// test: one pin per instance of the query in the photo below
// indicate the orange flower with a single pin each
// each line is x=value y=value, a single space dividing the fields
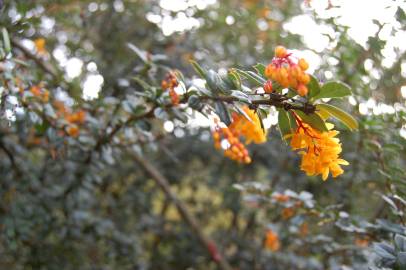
x=251 y=130
x=170 y=82
x=272 y=241
x=40 y=46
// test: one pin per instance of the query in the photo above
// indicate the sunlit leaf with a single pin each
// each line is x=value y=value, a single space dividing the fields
x=333 y=90
x=339 y=114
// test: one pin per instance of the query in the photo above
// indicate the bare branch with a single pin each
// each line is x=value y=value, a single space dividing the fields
x=163 y=184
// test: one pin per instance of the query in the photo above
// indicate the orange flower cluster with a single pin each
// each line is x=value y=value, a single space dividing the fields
x=251 y=130
x=170 y=82
x=287 y=72
x=75 y=119
x=272 y=241
x=40 y=93
x=320 y=150
x=236 y=150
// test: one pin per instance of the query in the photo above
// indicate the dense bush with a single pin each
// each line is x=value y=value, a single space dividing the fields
x=197 y=134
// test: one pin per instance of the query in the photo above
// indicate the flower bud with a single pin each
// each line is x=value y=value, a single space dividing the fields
x=268 y=87
x=281 y=52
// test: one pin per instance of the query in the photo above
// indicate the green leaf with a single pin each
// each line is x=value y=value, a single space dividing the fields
x=339 y=114
x=215 y=83
x=261 y=117
x=252 y=77
x=140 y=53
x=235 y=78
x=313 y=86
x=195 y=103
x=333 y=90
x=260 y=68
x=313 y=119
x=259 y=78
x=6 y=40
x=285 y=123
x=227 y=81
x=142 y=83
x=241 y=96
x=199 y=70
x=222 y=112
x=203 y=91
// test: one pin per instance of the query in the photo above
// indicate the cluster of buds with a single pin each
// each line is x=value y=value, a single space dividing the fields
x=287 y=72
x=40 y=93
x=169 y=83
x=235 y=150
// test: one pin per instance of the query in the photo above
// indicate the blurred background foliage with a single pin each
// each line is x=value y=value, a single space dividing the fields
x=82 y=202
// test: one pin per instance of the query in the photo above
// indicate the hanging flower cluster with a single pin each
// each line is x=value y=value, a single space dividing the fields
x=319 y=150
x=235 y=149
x=251 y=129
x=169 y=83
x=241 y=127
x=287 y=72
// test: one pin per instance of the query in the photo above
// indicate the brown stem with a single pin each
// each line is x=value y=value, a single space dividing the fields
x=275 y=100
x=163 y=184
